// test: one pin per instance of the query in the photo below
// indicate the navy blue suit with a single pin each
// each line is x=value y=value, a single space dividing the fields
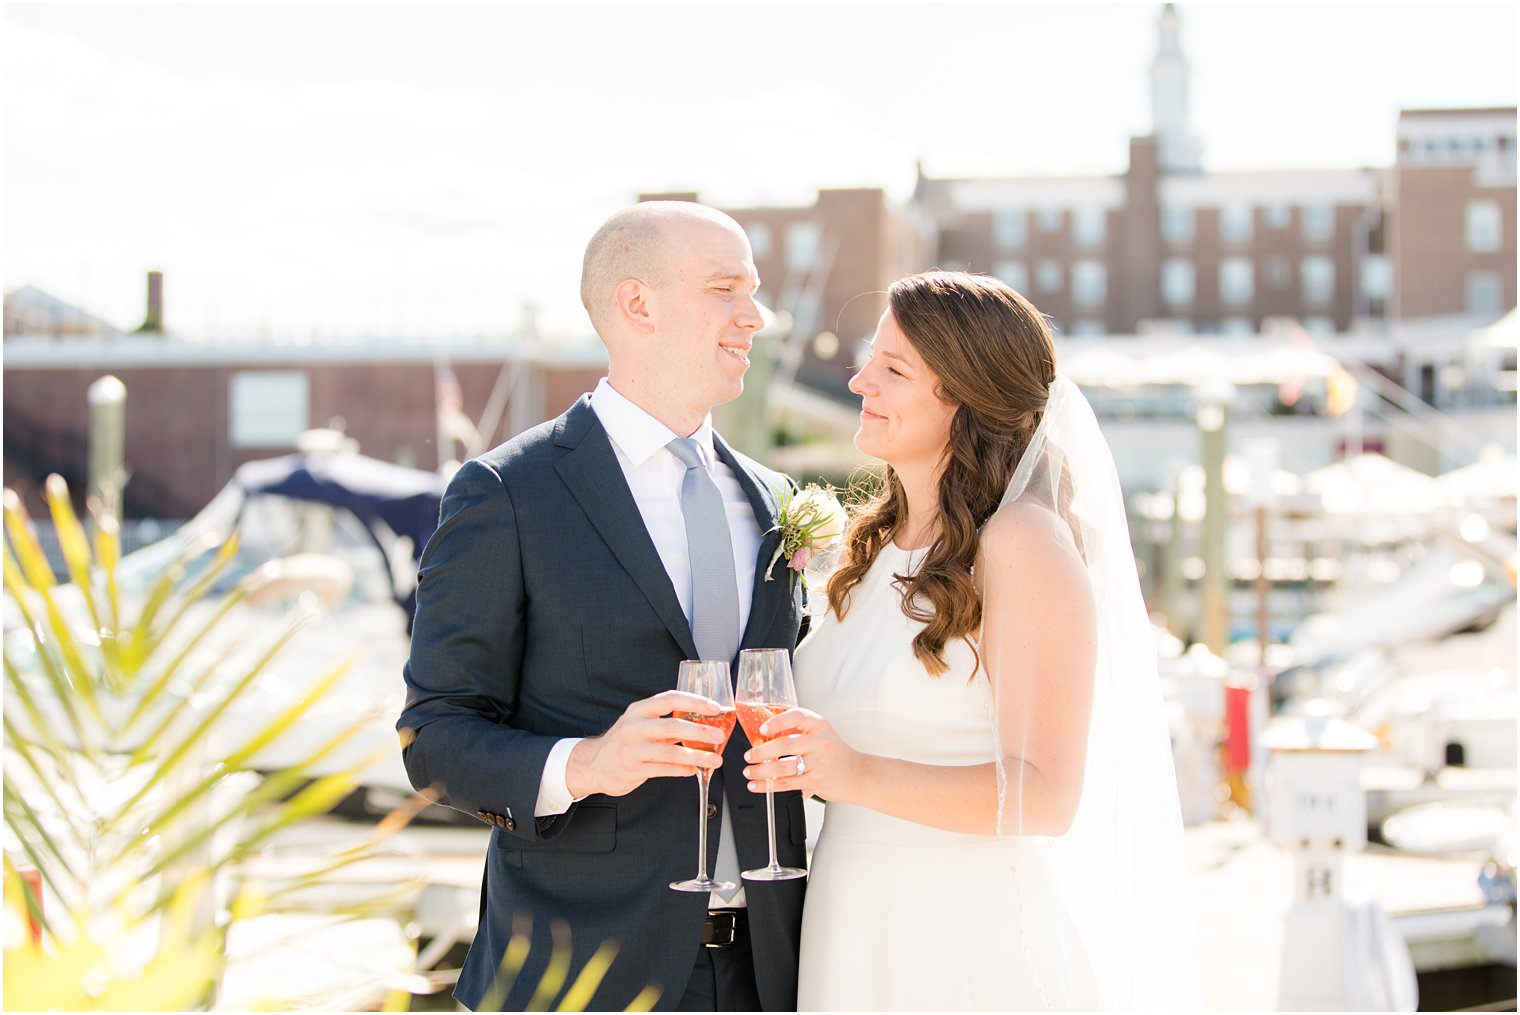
x=543 y=610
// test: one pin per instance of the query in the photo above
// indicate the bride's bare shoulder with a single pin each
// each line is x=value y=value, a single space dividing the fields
x=1026 y=539
x=1025 y=530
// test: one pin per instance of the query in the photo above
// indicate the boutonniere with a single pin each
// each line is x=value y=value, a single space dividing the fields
x=810 y=519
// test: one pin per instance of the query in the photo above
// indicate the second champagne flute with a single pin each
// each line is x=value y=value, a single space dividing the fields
x=765 y=690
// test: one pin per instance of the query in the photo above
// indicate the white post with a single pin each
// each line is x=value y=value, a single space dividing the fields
x=1318 y=812
x=1214 y=399
x=106 y=474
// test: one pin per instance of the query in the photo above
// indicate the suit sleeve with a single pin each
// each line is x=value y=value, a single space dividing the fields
x=464 y=675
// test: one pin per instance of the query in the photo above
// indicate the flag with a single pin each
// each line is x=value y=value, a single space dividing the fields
x=453 y=423
x=1340 y=386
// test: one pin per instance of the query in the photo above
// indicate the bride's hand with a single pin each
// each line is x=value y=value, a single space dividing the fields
x=829 y=767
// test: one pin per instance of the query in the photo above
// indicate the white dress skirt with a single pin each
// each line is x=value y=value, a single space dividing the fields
x=902 y=916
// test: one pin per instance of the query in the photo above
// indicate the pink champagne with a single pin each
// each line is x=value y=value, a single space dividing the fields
x=723 y=721
x=754 y=715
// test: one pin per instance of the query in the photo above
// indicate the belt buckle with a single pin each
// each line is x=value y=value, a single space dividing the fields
x=721 y=929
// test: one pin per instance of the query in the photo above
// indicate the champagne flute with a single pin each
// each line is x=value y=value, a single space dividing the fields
x=710 y=679
x=765 y=690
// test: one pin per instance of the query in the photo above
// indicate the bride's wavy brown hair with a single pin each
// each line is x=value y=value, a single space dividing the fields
x=993 y=356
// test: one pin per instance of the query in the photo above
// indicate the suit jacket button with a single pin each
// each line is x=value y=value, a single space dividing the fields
x=510 y=824
x=712 y=810
x=483 y=816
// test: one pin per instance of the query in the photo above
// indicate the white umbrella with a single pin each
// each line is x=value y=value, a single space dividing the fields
x=1370 y=484
x=1491 y=477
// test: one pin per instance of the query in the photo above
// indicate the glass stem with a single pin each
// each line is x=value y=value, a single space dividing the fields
x=770 y=819
x=704 y=776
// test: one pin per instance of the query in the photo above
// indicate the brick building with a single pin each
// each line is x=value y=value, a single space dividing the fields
x=195 y=412
x=1452 y=235
x=1166 y=246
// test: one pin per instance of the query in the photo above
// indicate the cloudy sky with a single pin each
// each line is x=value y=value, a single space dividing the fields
x=345 y=171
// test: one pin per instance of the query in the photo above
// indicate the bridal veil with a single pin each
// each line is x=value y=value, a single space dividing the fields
x=1120 y=871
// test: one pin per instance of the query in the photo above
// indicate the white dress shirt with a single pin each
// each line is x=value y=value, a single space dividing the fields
x=654 y=477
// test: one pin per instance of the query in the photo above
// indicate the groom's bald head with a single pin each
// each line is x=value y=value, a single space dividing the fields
x=637 y=242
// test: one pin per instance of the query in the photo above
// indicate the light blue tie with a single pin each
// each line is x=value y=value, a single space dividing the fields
x=714 y=598
x=714 y=584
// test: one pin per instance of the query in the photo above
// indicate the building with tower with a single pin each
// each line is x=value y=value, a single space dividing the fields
x=1166 y=246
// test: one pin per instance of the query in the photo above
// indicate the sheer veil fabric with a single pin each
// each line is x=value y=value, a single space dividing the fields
x=1120 y=872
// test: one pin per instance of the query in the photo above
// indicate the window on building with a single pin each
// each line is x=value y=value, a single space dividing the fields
x=1086 y=327
x=1237 y=326
x=1089 y=226
x=1235 y=223
x=1485 y=295
x=1318 y=222
x=1089 y=283
x=759 y=239
x=1279 y=215
x=1015 y=273
x=1318 y=324
x=1278 y=273
x=1051 y=220
x=1484 y=229
x=1377 y=277
x=1317 y=280
x=1049 y=276
x=803 y=242
x=1177 y=226
x=1237 y=281
x=1177 y=281
x=1010 y=230
x=268 y=408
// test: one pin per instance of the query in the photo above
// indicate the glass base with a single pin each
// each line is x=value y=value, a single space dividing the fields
x=774 y=874
x=703 y=885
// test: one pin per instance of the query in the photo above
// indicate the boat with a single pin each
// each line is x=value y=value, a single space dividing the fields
x=334 y=537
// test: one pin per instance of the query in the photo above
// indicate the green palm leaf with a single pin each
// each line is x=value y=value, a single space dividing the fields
x=98 y=671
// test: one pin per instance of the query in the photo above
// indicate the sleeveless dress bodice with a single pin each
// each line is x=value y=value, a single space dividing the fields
x=900 y=915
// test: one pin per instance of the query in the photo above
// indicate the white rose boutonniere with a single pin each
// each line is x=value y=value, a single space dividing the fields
x=810 y=519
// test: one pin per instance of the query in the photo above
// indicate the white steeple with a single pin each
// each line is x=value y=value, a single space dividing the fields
x=1177 y=148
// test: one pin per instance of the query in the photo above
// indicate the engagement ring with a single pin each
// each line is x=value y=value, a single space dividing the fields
x=801 y=765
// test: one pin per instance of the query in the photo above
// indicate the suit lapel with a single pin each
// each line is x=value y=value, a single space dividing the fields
x=591 y=472
x=765 y=595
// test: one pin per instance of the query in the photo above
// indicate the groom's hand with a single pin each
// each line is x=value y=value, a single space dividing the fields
x=643 y=744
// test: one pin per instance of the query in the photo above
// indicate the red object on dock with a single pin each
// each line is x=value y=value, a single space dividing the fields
x=32 y=878
x=1237 y=725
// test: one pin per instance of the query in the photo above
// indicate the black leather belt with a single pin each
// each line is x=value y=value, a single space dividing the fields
x=725 y=927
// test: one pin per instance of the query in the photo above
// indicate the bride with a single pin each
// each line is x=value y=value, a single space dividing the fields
x=980 y=705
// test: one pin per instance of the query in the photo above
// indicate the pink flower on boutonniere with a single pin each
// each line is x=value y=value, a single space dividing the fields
x=810 y=519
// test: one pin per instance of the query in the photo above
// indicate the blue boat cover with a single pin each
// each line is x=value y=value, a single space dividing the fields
x=381 y=495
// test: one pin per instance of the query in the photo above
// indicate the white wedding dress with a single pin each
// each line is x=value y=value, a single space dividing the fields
x=902 y=916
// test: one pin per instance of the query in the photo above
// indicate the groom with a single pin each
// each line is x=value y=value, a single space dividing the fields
x=573 y=568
